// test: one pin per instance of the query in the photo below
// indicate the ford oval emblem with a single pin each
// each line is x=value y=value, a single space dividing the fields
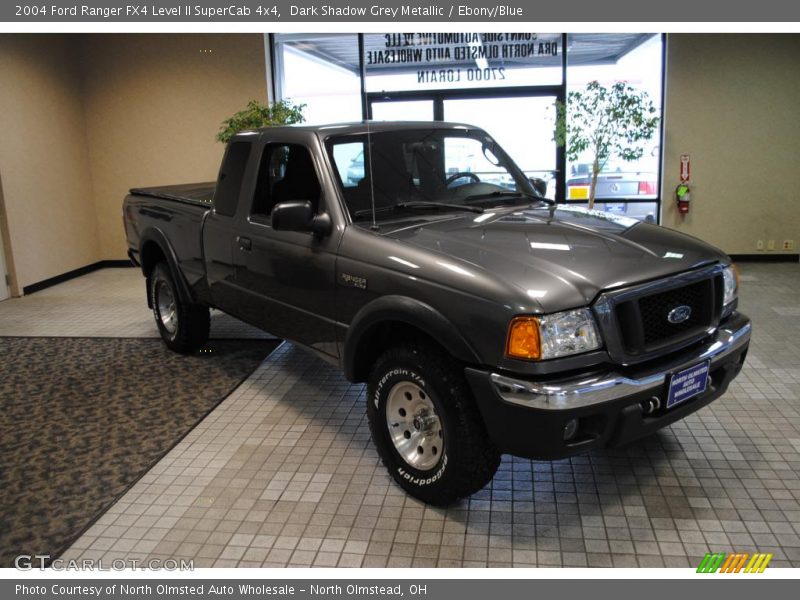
x=679 y=314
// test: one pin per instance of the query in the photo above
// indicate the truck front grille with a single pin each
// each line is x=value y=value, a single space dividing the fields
x=643 y=320
x=655 y=309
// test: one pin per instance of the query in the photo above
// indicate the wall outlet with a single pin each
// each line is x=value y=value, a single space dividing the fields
x=760 y=245
x=788 y=244
x=771 y=245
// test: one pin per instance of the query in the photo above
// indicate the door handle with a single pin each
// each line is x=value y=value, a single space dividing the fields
x=244 y=243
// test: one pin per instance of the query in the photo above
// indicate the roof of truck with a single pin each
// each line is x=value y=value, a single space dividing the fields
x=360 y=127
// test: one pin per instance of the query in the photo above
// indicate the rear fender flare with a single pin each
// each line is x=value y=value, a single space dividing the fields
x=154 y=235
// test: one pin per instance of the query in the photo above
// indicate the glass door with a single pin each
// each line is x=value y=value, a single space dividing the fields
x=402 y=110
x=522 y=125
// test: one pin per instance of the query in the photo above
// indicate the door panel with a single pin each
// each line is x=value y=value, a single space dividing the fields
x=285 y=279
x=220 y=225
x=288 y=283
x=218 y=231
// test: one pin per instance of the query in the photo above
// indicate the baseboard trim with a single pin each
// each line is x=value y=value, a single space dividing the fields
x=766 y=258
x=46 y=283
x=123 y=263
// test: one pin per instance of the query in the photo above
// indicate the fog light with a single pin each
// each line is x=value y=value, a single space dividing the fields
x=650 y=406
x=570 y=429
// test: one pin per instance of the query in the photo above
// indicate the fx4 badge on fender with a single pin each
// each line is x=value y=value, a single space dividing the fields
x=354 y=281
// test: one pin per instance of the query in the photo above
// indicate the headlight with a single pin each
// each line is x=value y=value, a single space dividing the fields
x=551 y=336
x=731 y=277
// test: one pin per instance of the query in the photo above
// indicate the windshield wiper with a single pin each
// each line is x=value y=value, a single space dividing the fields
x=413 y=205
x=496 y=195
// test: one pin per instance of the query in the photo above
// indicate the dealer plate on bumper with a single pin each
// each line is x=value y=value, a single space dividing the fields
x=688 y=383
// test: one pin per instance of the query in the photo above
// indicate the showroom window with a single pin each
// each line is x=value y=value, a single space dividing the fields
x=449 y=61
x=483 y=79
x=321 y=71
x=505 y=83
x=628 y=188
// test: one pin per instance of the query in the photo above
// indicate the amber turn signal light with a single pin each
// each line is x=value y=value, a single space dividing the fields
x=523 y=338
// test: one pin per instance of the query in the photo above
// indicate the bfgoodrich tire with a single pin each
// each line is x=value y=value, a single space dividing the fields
x=426 y=427
x=183 y=326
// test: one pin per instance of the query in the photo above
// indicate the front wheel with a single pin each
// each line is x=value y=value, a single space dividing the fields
x=184 y=327
x=426 y=426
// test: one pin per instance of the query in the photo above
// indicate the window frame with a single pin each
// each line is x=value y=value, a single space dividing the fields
x=266 y=219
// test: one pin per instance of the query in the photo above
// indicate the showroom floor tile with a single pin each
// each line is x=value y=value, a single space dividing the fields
x=106 y=303
x=283 y=473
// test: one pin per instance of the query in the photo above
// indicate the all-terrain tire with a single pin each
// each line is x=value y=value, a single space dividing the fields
x=184 y=327
x=444 y=467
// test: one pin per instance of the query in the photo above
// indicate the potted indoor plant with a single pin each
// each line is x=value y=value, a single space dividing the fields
x=257 y=114
x=605 y=122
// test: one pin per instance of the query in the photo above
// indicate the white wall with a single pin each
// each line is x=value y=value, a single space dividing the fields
x=154 y=104
x=47 y=192
x=86 y=117
x=733 y=105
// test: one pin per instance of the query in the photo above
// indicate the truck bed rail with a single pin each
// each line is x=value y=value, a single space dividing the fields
x=199 y=194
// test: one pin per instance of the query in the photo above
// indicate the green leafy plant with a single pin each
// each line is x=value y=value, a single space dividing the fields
x=605 y=121
x=257 y=114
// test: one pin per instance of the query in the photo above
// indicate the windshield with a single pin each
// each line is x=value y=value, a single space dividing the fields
x=449 y=169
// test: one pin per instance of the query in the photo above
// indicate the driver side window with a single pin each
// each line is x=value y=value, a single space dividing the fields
x=286 y=172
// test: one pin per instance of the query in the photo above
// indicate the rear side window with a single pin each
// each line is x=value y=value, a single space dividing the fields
x=230 y=179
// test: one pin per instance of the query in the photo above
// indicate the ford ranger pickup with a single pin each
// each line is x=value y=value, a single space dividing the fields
x=418 y=258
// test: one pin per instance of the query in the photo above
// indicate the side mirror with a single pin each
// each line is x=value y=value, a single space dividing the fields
x=298 y=215
x=539 y=184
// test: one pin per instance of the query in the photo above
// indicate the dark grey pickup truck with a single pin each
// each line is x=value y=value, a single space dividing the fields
x=418 y=258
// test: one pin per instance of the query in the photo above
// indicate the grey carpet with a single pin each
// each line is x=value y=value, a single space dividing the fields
x=81 y=419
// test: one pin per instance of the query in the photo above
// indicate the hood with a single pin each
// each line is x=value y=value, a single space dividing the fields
x=560 y=257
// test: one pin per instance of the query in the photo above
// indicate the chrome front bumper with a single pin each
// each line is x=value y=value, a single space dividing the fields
x=587 y=391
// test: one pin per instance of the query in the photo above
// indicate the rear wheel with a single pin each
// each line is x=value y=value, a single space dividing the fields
x=184 y=327
x=426 y=426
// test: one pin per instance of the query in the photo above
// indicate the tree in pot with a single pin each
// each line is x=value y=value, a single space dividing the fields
x=257 y=114
x=605 y=121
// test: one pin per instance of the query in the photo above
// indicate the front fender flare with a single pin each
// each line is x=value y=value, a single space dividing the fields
x=411 y=312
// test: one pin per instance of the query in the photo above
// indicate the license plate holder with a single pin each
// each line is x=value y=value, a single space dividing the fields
x=688 y=383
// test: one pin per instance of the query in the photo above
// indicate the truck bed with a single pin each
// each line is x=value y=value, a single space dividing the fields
x=199 y=194
x=176 y=211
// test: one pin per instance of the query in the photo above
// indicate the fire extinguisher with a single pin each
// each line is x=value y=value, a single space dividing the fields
x=684 y=196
